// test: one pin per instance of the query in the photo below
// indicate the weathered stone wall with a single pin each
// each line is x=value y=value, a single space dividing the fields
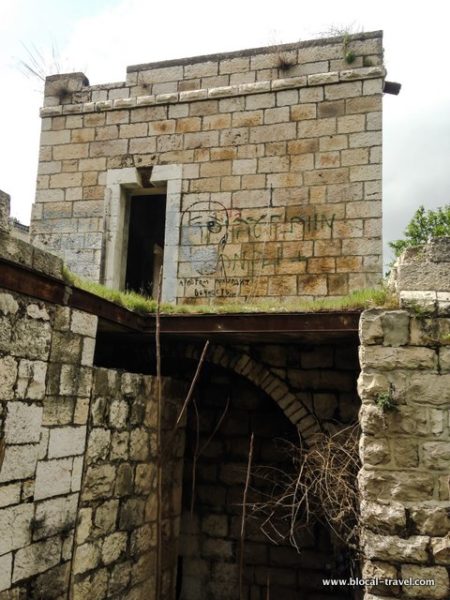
x=116 y=539
x=278 y=187
x=405 y=449
x=77 y=456
x=46 y=355
x=73 y=450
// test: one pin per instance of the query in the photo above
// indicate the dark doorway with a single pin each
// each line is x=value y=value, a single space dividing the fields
x=145 y=243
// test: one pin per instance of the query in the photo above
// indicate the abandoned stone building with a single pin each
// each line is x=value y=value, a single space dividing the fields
x=136 y=450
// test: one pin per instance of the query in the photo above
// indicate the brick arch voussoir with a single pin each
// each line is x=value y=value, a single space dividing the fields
x=244 y=365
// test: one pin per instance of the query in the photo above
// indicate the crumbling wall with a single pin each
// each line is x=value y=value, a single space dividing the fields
x=78 y=448
x=46 y=354
x=116 y=539
x=405 y=449
x=277 y=153
x=79 y=454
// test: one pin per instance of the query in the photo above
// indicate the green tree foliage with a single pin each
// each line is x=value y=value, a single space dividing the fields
x=424 y=225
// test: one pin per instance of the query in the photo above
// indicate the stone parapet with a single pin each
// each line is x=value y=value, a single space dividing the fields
x=244 y=89
x=421 y=276
x=405 y=451
x=255 y=65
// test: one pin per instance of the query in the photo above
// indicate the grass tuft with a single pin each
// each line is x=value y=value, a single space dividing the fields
x=357 y=300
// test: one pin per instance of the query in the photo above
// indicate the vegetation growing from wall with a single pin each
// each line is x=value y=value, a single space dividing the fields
x=357 y=300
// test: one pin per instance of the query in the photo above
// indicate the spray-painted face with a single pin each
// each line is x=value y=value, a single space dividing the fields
x=204 y=234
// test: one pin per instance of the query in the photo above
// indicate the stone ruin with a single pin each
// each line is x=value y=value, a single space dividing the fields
x=85 y=440
x=252 y=174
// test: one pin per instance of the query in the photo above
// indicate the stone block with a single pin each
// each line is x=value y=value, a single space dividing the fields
x=52 y=584
x=401 y=486
x=87 y=557
x=438 y=590
x=84 y=324
x=98 y=444
x=93 y=586
x=114 y=546
x=139 y=444
x=119 y=445
x=430 y=520
x=66 y=441
x=440 y=548
x=84 y=525
x=395 y=326
x=386 y=359
x=8 y=304
x=55 y=516
x=392 y=548
x=5 y=571
x=118 y=413
x=87 y=352
x=19 y=462
x=15 y=525
x=105 y=519
x=23 y=422
x=9 y=494
x=81 y=412
x=120 y=577
x=36 y=558
x=8 y=374
x=53 y=478
x=99 y=482
x=444 y=359
x=31 y=339
x=34 y=311
x=124 y=482
x=132 y=513
x=387 y=518
x=66 y=347
x=406 y=453
x=370 y=385
x=428 y=388
x=436 y=455
x=374 y=451
x=145 y=476
x=380 y=571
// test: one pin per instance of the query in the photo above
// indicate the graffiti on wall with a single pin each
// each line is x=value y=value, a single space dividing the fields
x=222 y=250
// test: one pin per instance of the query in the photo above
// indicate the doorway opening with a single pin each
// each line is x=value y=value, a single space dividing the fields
x=147 y=220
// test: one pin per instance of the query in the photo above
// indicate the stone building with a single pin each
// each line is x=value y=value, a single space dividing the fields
x=252 y=175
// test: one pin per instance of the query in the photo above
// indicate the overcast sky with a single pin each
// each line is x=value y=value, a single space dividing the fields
x=102 y=37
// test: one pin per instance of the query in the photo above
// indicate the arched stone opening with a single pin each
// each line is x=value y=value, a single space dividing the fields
x=305 y=386
x=226 y=410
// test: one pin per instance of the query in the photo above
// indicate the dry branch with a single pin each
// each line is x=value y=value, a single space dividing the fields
x=321 y=486
x=244 y=515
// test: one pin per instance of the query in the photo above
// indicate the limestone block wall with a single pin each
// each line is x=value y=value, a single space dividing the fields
x=116 y=538
x=405 y=450
x=46 y=355
x=278 y=187
x=78 y=451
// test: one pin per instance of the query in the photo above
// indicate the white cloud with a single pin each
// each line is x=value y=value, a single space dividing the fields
x=416 y=125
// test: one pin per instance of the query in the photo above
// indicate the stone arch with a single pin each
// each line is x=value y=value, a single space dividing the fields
x=244 y=365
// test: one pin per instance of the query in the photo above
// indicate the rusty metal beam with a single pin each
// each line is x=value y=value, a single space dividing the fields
x=24 y=280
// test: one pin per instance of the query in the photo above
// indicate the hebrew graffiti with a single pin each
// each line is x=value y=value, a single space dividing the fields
x=223 y=250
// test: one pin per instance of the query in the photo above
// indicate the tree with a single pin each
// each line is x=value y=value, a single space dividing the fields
x=424 y=225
